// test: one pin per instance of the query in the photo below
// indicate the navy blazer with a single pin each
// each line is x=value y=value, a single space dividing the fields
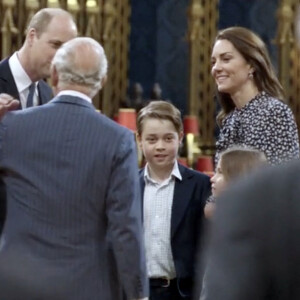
x=8 y=86
x=187 y=216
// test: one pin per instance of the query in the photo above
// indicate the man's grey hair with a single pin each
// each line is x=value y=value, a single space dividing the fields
x=81 y=61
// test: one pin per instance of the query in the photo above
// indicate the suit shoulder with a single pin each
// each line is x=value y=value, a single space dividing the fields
x=193 y=173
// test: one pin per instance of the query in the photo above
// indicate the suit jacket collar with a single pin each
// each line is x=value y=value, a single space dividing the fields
x=72 y=100
x=182 y=196
x=11 y=87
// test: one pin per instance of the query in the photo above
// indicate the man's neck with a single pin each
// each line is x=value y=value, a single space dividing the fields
x=23 y=57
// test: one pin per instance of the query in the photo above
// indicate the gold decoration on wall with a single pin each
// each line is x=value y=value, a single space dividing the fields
x=74 y=8
x=115 y=38
x=8 y=28
x=93 y=12
x=31 y=7
x=53 y=3
x=203 y=17
x=288 y=54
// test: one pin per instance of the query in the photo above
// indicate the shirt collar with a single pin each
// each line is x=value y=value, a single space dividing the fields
x=21 y=78
x=75 y=94
x=175 y=173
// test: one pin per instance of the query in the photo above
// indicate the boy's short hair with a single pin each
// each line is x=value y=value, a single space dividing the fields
x=162 y=110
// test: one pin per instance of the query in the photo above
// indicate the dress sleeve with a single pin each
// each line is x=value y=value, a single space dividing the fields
x=280 y=137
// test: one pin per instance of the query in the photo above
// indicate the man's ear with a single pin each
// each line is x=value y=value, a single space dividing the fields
x=181 y=135
x=30 y=36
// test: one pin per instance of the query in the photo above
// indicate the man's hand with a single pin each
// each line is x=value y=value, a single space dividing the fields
x=7 y=103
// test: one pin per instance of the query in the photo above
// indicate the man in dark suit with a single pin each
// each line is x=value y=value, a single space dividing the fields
x=72 y=184
x=27 y=68
x=48 y=29
x=255 y=247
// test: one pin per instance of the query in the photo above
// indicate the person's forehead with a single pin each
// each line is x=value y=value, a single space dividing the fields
x=60 y=29
x=224 y=45
x=60 y=24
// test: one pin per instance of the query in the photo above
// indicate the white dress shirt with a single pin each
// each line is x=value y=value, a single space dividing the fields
x=158 y=200
x=22 y=81
x=75 y=94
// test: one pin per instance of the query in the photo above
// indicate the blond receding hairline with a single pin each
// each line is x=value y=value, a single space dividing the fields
x=43 y=17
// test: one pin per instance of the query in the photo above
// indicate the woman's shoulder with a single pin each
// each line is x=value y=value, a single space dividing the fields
x=267 y=106
x=268 y=102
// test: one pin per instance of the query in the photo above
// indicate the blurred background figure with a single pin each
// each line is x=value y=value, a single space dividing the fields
x=252 y=112
x=233 y=163
x=255 y=246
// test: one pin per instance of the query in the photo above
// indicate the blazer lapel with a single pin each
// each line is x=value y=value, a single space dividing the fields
x=182 y=196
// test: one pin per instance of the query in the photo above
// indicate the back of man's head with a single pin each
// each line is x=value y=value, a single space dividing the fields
x=80 y=63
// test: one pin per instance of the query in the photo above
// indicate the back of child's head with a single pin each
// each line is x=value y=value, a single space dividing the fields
x=161 y=110
x=237 y=161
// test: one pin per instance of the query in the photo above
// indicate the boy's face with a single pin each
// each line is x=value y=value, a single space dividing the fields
x=159 y=142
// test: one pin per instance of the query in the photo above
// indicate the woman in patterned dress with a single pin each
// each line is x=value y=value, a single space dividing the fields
x=252 y=109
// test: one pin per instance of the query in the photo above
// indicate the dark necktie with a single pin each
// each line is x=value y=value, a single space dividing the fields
x=30 y=95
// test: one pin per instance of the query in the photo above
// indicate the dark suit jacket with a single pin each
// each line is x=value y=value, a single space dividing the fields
x=190 y=196
x=23 y=277
x=255 y=247
x=74 y=198
x=8 y=86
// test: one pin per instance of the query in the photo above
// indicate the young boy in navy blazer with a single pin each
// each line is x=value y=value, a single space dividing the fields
x=173 y=202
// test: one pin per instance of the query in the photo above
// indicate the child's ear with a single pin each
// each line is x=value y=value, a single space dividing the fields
x=181 y=134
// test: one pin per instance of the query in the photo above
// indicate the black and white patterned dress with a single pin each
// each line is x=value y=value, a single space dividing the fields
x=264 y=123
